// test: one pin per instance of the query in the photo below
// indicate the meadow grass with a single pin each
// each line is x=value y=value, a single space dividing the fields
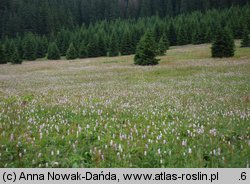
x=189 y=111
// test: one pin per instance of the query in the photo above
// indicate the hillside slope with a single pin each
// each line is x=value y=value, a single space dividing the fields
x=189 y=111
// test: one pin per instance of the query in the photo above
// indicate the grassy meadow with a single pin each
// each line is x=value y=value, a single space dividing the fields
x=189 y=111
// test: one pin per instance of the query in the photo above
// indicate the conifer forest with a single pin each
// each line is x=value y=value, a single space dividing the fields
x=125 y=83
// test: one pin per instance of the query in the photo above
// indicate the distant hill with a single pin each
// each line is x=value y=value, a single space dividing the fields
x=47 y=16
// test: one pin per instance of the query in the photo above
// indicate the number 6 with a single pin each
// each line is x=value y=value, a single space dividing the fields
x=243 y=176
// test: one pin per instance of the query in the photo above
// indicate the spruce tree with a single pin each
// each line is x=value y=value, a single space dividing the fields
x=83 y=50
x=126 y=43
x=161 y=48
x=145 y=9
x=169 y=7
x=91 y=48
x=19 y=45
x=11 y=53
x=246 y=39
x=9 y=48
x=223 y=45
x=42 y=46
x=146 y=50
x=113 y=46
x=163 y=45
x=76 y=41
x=172 y=35
x=63 y=41
x=166 y=41
x=29 y=47
x=101 y=44
x=71 y=52
x=184 y=6
x=2 y=55
x=15 y=58
x=200 y=37
x=196 y=36
x=182 y=37
x=53 y=52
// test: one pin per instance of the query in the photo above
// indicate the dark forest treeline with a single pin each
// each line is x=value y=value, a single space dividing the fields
x=47 y=16
x=122 y=35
